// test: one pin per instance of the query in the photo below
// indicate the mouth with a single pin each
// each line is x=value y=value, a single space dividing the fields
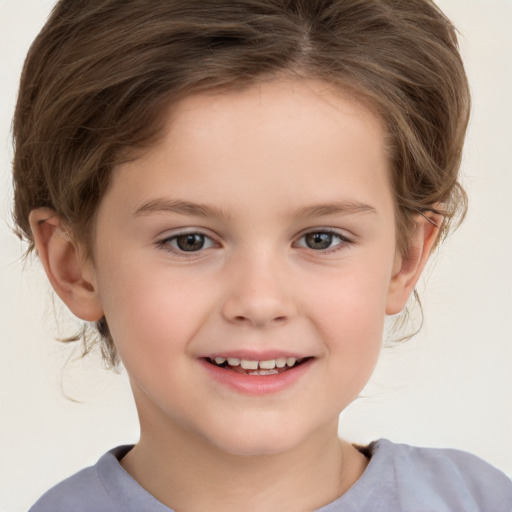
x=253 y=374
x=255 y=367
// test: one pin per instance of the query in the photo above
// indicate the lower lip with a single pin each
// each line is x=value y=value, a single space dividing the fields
x=257 y=384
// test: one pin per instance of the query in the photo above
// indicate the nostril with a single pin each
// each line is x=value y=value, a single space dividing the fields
x=241 y=319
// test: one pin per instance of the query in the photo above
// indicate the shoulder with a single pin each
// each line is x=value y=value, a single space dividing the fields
x=446 y=479
x=83 y=492
x=80 y=492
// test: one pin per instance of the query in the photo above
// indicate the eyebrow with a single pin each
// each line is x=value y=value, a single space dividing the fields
x=337 y=207
x=182 y=208
x=203 y=210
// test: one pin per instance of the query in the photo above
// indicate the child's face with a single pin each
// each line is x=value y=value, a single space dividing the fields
x=280 y=193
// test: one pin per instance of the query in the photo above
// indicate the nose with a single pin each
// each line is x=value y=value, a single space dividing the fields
x=259 y=293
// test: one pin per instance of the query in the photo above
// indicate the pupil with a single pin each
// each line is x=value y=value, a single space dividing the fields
x=319 y=240
x=192 y=242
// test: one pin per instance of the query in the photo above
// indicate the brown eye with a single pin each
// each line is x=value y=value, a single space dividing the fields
x=190 y=242
x=186 y=243
x=323 y=241
x=319 y=241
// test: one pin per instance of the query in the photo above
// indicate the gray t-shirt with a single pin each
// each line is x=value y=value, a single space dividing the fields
x=399 y=478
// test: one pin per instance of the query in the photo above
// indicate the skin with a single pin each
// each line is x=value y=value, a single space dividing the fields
x=263 y=160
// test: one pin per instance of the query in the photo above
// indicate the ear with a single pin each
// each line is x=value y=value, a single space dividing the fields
x=408 y=268
x=70 y=274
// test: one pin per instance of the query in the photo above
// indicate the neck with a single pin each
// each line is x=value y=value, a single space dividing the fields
x=174 y=464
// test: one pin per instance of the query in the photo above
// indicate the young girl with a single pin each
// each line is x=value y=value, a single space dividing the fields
x=236 y=194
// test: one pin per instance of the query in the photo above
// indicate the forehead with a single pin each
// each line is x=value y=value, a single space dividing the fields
x=275 y=113
x=295 y=140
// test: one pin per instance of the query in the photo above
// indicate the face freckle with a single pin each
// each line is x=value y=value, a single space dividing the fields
x=282 y=195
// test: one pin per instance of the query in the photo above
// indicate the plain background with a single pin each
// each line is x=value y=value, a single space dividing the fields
x=451 y=386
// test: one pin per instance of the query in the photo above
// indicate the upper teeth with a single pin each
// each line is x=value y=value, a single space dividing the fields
x=247 y=364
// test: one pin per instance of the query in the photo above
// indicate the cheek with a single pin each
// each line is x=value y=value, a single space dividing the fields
x=350 y=318
x=353 y=302
x=150 y=312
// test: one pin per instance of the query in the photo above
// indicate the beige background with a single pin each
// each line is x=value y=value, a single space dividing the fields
x=450 y=386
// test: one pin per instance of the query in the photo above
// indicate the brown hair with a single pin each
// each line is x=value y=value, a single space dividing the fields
x=101 y=72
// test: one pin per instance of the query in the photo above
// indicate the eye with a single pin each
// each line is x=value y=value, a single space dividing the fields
x=190 y=242
x=187 y=242
x=322 y=240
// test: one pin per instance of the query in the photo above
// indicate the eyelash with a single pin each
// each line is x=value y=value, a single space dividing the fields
x=343 y=244
x=165 y=243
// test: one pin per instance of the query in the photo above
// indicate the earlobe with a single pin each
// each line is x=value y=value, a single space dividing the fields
x=71 y=276
x=408 y=268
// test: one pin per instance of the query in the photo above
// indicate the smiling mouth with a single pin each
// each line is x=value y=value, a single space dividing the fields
x=248 y=367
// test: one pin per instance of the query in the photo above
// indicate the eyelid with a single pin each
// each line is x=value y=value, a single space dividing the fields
x=163 y=242
x=345 y=240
